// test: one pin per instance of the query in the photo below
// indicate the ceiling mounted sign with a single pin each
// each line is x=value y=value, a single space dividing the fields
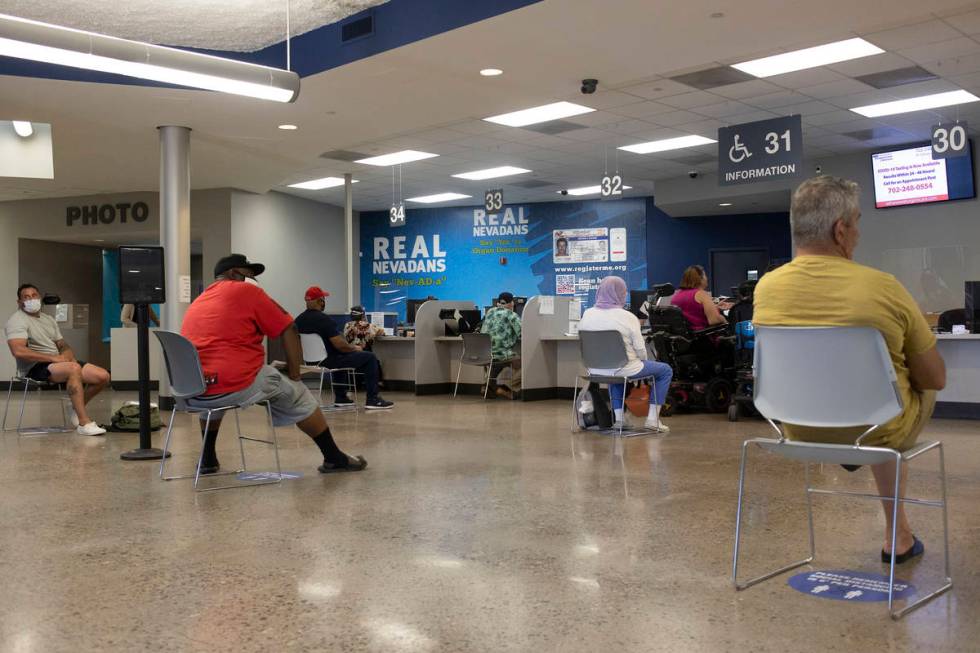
x=949 y=140
x=766 y=150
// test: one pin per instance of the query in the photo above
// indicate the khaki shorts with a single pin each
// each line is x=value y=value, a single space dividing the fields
x=290 y=400
x=884 y=437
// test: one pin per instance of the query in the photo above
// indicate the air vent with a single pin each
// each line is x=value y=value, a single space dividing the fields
x=898 y=77
x=713 y=77
x=554 y=127
x=532 y=183
x=357 y=27
x=344 y=155
x=876 y=134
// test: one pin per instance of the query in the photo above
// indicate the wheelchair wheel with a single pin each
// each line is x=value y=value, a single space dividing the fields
x=718 y=395
x=733 y=412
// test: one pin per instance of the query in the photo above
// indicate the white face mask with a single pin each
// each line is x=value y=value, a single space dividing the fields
x=32 y=305
x=251 y=281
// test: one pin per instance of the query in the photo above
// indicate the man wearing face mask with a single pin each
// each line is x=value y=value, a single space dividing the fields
x=823 y=286
x=43 y=355
x=341 y=353
x=227 y=325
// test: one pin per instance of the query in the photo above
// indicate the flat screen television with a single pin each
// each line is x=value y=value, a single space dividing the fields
x=910 y=175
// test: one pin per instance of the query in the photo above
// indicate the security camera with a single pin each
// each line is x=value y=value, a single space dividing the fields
x=693 y=174
x=563 y=191
x=818 y=170
x=589 y=86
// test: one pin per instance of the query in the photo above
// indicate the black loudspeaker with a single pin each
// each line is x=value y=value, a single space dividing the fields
x=141 y=275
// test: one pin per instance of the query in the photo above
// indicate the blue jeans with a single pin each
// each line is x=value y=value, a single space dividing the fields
x=662 y=375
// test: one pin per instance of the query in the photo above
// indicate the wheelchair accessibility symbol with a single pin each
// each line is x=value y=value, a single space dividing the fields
x=738 y=152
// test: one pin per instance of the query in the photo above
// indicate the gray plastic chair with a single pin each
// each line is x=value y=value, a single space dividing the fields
x=605 y=350
x=187 y=382
x=315 y=353
x=477 y=350
x=832 y=377
x=30 y=383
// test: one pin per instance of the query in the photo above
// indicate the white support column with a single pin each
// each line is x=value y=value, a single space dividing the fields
x=175 y=231
x=349 y=234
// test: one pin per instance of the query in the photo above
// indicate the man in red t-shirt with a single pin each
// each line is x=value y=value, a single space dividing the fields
x=227 y=325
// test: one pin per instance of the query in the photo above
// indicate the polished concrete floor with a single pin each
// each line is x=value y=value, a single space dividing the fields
x=477 y=527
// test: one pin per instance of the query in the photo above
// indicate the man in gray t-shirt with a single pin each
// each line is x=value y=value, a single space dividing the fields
x=43 y=355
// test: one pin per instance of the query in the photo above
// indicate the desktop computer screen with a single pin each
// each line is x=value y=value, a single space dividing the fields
x=411 y=308
x=972 y=306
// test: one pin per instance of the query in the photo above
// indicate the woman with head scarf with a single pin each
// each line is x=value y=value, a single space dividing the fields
x=608 y=314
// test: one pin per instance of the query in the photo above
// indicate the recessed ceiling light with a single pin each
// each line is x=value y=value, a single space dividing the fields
x=667 y=144
x=320 y=184
x=916 y=104
x=492 y=173
x=544 y=113
x=725 y=204
x=440 y=197
x=288 y=127
x=23 y=128
x=491 y=72
x=587 y=190
x=393 y=159
x=100 y=240
x=821 y=55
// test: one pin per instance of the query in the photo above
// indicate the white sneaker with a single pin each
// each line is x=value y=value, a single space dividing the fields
x=90 y=429
x=657 y=426
x=73 y=417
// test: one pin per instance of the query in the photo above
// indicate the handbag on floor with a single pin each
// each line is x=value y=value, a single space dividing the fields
x=638 y=400
x=127 y=418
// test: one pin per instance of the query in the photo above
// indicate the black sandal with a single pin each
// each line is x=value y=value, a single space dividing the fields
x=914 y=551
x=354 y=464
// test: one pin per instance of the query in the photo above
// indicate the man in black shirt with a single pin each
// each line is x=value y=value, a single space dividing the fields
x=340 y=353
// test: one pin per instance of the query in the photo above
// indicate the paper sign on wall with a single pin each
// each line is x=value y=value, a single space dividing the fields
x=575 y=310
x=184 y=291
x=546 y=305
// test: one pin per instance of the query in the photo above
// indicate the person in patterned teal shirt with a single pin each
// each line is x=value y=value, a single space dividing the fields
x=503 y=326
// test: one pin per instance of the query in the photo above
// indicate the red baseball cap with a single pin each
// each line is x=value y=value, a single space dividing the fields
x=315 y=292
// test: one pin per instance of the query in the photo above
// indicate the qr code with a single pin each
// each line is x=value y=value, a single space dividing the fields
x=564 y=284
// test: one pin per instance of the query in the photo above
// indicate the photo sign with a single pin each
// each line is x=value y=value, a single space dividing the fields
x=766 y=150
x=949 y=140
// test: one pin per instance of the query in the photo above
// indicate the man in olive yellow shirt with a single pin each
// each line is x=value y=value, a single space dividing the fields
x=823 y=286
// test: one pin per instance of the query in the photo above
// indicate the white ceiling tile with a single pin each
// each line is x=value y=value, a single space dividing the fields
x=748 y=89
x=811 y=108
x=596 y=118
x=935 y=52
x=706 y=128
x=968 y=23
x=836 y=89
x=605 y=99
x=689 y=100
x=952 y=67
x=659 y=88
x=729 y=108
x=586 y=135
x=629 y=126
x=675 y=118
x=829 y=118
x=932 y=31
x=774 y=100
x=643 y=109
x=752 y=116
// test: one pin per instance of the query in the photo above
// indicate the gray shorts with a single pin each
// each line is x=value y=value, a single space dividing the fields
x=290 y=400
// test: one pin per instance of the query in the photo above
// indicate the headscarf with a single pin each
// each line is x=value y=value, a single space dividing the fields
x=612 y=293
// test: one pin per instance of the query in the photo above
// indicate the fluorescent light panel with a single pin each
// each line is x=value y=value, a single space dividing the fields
x=37 y=41
x=922 y=103
x=440 y=197
x=544 y=113
x=393 y=159
x=667 y=144
x=492 y=173
x=821 y=55
x=320 y=184
x=589 y=190
x=23 y=128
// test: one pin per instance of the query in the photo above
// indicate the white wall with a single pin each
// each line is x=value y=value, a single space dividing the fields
x=301 y=243
x=46 y=220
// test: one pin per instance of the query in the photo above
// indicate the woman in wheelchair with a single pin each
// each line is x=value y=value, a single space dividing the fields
x=608 y=314
x=695 y=302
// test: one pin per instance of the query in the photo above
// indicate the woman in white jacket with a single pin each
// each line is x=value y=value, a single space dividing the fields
x=608 y=314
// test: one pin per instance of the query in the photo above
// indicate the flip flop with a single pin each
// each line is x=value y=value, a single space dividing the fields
x=914 y=551
x=355 y=464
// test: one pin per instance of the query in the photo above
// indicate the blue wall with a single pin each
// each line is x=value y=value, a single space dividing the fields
x=675 y=243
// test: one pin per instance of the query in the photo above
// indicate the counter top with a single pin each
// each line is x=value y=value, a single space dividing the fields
x=953 y=336
x=562 y=338
x=394 y=339
x=448 y=338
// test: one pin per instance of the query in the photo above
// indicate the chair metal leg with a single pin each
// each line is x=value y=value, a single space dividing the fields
x=275 y=442
x=738 y=532
x=622 y=408
x=486 y=381
x=459 y=372
x=241 y=445
x=10 y=389
x=891 y=566
x=200 y=458
x=166 y=442
x=809 y=510
x=574 y=407
x=23 y=403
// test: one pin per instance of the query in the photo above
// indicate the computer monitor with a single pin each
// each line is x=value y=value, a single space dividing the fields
x=972 y=305
x=752 y=275
x=340 y=319
x=637 y=297
x=411 y=308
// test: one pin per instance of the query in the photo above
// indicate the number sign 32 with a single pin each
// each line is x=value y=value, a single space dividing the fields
x=611 y=186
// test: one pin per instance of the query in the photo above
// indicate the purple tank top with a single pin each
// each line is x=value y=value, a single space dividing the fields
x=692 y=310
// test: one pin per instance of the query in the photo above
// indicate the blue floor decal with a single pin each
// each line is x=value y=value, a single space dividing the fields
x=844 y=585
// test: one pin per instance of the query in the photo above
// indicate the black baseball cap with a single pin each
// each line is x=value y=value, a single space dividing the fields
x=358 y=310
x=505 y=298
x=237 y=261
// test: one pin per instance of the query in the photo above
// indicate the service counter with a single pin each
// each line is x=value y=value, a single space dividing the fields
x=961 y=397
x=550 y=358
